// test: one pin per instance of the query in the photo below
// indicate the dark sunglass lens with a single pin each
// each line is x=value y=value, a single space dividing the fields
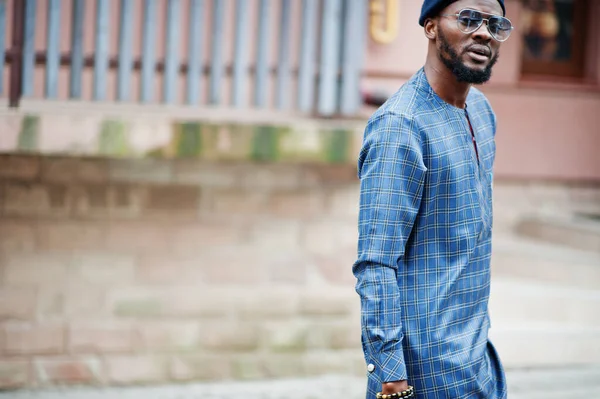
x=500 y=27
x=469 y=20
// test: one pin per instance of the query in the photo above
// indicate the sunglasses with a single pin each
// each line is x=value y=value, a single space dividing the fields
x=470 y=20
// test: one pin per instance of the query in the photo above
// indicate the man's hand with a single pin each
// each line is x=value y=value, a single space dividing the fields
x=393 y=387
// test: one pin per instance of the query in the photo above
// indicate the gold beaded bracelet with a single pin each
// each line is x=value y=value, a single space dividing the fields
x=408 y=393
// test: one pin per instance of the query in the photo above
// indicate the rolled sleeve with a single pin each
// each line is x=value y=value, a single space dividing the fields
x=392 y=172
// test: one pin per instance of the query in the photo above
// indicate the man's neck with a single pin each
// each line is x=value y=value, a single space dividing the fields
x=445 y=85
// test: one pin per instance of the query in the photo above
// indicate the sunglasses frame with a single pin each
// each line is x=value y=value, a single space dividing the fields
x=487 y=22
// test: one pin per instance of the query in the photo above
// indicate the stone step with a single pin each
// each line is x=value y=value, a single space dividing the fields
x=539 y=262
x=515 y=301
x=556 y=383
x=540 y=383
x=546 y=344
x=567 y=230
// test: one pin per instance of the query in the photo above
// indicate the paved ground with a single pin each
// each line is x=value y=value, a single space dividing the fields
x=524 y=384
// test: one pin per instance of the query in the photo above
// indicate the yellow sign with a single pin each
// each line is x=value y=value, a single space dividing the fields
x=383 y=21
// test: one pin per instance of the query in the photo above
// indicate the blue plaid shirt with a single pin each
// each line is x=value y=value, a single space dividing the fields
x=423 y=267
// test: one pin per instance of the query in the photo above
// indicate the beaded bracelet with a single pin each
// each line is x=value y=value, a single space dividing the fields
x=408 y=393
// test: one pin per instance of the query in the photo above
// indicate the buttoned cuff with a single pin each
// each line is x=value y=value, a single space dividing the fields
x=389 y=366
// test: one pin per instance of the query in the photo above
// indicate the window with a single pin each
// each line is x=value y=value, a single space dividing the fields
x=554 y=33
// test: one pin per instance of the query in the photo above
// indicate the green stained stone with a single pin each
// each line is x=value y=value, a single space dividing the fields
x=113 y=138
x=30 y=132
x=189 y=140
x=266 y=145
x=338 y=145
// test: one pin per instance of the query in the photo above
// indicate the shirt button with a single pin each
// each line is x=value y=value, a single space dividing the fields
x=370 y=368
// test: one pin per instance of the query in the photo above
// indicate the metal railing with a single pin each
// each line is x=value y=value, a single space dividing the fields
x=307 y=54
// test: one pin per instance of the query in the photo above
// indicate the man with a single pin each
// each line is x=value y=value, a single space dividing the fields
x=423 y=267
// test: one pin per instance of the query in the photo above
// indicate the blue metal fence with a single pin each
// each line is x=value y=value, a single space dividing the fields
x=329 y=51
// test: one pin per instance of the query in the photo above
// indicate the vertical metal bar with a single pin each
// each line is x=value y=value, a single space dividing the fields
x=53 y=48
x=125 y=57
x=262 y=67
x=216 y=68
x=148 y=61
x=16 y=66
x=101 y=51
x=306 y=78
x=172 y=52
x=195 y=70
x=240 y=53
x=77 y=48
x=351 y=56
x=29 y=47
x=283 y=63
x=332 y=10
x=2 y=39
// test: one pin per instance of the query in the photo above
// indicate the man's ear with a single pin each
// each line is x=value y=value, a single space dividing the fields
x=430 y=27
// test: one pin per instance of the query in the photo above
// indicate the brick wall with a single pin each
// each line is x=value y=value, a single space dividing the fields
x=118 y=271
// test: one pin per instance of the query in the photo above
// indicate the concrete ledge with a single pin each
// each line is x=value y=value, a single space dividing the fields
x=128 y=130
x=574 y=232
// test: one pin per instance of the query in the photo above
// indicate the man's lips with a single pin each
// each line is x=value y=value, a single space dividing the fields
x=479 y=53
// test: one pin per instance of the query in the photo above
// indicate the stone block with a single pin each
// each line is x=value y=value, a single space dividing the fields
x=317 y=363
x=267 y=304
x=90 y=200
x=244 y=265
x=194 y=367
x=182 y=301
x=72 y=370
x=130 y=303
x=70 y=236
x=297 y=204
x=229 y=336
x=19 y=167
x=137 y=237
x=35 y=269
x=340 y=334
x=329 y=174
x=173 y=199
x=17 y=303
x=104 y=268
x=17 y=236
x=192 y=239
x=171 y=335
x=27 y=199
x=337 y=269
x=283 y=366
x=163 y=269
x=14 y=374
x=101 y=337
x=69 y=170
x=208 y=302
x=327 y=237
x=276 y=235
x=271 y=177
x=237 y=202
x=80 y=298
x=140 y=171
x=247 y=367
x=290 y=337
x=289 y=267
x=327 y=303
x=343 y=202
x=136 y=369
x=33 y=339
x=207 y=174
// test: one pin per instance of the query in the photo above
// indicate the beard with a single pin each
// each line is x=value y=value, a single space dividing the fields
x=463 y=73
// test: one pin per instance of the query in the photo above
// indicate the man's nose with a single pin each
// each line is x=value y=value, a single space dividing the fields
x=483 y=34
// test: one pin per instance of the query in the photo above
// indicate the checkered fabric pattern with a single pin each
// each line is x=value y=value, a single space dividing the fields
x=423 y=266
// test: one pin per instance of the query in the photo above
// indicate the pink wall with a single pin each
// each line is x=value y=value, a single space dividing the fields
x=547 y=129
